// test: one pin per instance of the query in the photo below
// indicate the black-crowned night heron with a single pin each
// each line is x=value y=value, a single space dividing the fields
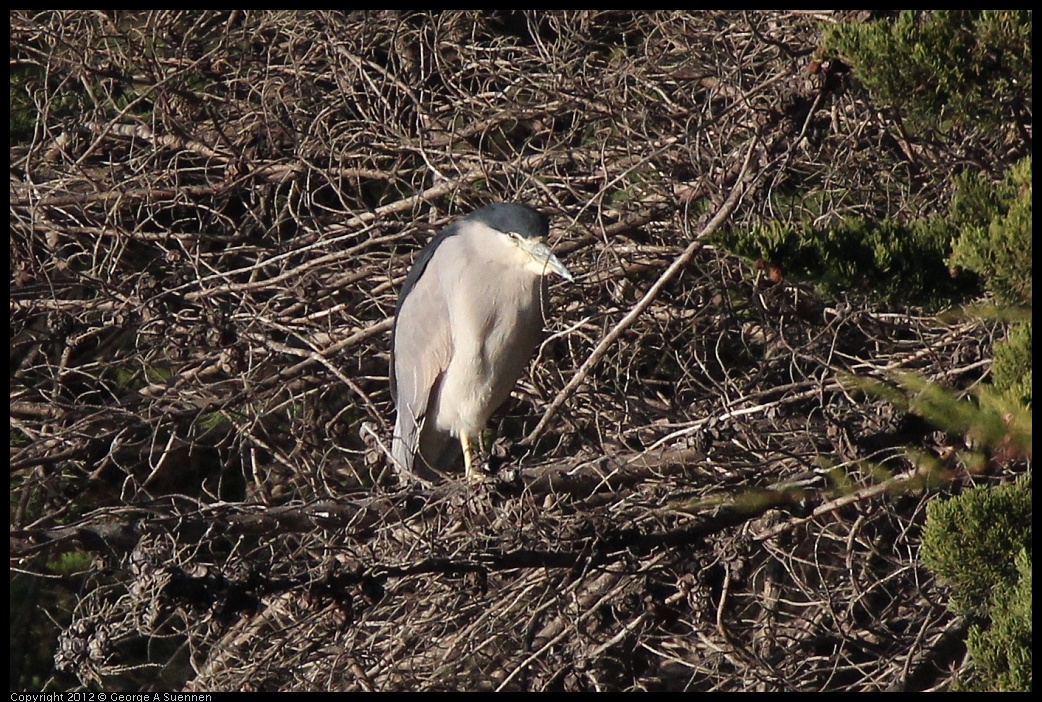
x=469 y=317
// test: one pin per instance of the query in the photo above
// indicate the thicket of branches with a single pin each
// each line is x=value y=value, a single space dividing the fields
x=211 y=213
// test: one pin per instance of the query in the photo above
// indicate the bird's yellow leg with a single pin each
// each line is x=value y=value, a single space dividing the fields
x=468 y=458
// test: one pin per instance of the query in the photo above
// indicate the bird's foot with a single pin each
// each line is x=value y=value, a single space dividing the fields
x=474 y=473
x=476 y=476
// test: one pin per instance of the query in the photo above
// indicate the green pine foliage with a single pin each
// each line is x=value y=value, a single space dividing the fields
x=991 y=421
x=971 y=70
x=979 y=544
x=971 y=542
x=944 y=68
x=894 y=261
x=1002 y=652
x=1011 y=368
x=994 y=239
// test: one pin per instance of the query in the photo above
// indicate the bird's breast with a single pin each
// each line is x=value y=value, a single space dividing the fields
x=493 y=342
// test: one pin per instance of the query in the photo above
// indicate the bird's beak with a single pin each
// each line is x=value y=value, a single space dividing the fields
x=545 y=260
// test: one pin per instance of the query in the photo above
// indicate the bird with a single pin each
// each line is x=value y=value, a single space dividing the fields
x=467 y=322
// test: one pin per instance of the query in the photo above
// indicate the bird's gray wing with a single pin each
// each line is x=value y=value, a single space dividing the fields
x=421 y=349
x=419 y=267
